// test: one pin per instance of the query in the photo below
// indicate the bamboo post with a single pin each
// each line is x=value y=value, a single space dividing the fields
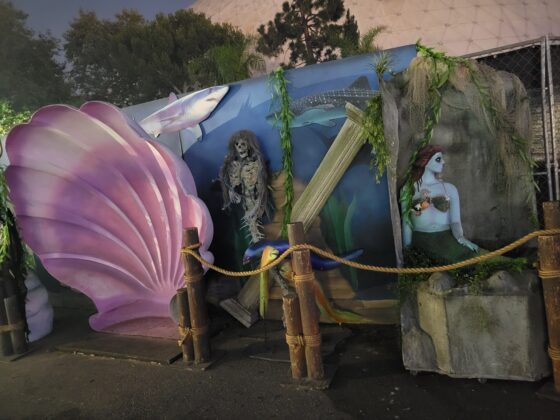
x=5 y=340
x=303 y=277
x=16 y=324
x=549 y=271
x=197 y=303
x=294 y=334
x=186 y=341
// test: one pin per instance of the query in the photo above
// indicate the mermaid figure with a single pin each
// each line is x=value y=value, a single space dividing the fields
x=435 y=215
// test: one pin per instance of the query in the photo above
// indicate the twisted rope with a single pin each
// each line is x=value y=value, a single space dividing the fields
x=20 y=325
x=554 y=353
x=191 y=250
x=301 y=278
x=549 y=274
x=312 y=340
x=295 y=340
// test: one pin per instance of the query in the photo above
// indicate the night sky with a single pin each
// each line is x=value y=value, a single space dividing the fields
x=56 y=15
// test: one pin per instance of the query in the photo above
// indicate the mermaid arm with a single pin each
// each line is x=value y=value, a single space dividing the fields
x=405 y=226
x=455 y=218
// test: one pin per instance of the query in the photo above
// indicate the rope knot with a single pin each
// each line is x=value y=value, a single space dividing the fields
x=554 y=353
x=300 y=278
x=20 y=325
x=312 y=340
x=295 y=340
x=186 y=333
x=191 y=247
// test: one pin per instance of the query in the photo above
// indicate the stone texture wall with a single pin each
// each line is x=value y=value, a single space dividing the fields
x=495 y=207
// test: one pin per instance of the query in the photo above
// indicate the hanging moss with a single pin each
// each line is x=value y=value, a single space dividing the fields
x=284 y=118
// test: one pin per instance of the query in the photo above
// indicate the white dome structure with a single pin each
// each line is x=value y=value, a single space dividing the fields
x=456 y=26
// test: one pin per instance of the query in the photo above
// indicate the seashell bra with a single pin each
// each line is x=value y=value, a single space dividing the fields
x=440 y=202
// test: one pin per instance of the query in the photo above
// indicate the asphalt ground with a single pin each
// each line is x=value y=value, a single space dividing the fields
x=370 y=382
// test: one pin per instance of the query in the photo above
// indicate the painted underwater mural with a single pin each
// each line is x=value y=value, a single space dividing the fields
x=359 y=213
x=104 y=209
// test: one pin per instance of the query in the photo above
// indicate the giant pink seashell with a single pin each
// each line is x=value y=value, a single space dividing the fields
x=104 y=209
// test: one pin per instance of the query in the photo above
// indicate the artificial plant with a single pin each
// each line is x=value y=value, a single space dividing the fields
x=284 y=118
x=373 y=129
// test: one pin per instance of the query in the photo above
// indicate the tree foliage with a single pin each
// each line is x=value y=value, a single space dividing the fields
x=130 y=60
x=9 y=117
x=311 y=31
x=30 y=76
x=364 y=44
x=227 y=63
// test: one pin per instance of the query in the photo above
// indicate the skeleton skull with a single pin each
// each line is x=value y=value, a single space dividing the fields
x=242 y=147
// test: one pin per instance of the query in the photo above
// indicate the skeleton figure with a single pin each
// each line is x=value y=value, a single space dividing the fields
x=244 y=181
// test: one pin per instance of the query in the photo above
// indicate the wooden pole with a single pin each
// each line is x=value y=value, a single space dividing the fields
x=197 y=303
x=17 y=333
x=303 y=276
x=549 y=271
x=294 y=334
x=186 y=341
x=5 y=340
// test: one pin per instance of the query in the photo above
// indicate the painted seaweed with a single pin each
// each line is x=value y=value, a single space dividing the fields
x=336 y=225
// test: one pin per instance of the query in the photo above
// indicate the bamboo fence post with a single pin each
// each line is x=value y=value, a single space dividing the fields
x=303 y=277
x=549 y=271
x=5 y=340
x=294 y=334
x=197 y=303
x=186 y=341
x=17 y=330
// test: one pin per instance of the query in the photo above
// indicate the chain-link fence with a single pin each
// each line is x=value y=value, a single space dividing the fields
x=537 y=64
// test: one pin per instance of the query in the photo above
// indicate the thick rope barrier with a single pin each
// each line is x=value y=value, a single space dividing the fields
x=191 y=250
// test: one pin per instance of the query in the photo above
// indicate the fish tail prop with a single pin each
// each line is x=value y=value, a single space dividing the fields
x=338 y=315
x=269 y=254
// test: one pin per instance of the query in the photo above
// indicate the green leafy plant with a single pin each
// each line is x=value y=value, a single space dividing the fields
x=284 y=118
x=9 y=117
x=373 y=129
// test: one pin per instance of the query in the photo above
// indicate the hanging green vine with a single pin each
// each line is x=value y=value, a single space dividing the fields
x=441 y=69
x=373 y=132
x=373 y=129
x=284 y=120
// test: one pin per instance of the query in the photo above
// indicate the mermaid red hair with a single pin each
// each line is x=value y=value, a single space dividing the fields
x=422 y=159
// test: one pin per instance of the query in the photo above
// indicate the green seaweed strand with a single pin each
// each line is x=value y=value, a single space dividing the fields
x=284 y=119
x=436 y=84
x=373 y=129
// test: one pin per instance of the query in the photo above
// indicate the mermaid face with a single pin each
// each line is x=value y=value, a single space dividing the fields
x=435 y=164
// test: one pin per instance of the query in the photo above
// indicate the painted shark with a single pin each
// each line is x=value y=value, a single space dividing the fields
x=324 y=108
x=185 y=115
